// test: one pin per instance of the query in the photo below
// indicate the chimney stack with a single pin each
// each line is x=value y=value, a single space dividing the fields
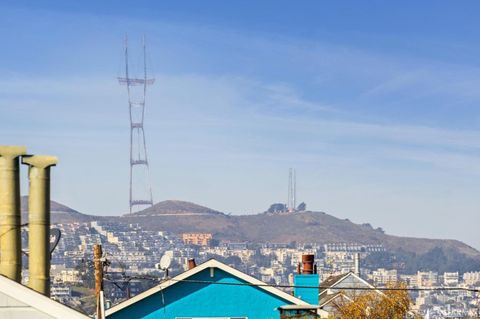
x=357 y=264
x=307 y=278
x=10 y=233
x=191 y=263
x=308 y=261
x=39 y=221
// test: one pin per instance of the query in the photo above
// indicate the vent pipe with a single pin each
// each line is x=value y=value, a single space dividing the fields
x=308 y=261
x=356 y=261
x=39 y=221
x=10 y=217
x=191 y=263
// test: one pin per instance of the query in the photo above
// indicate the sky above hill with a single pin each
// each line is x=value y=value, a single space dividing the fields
x=375 y=104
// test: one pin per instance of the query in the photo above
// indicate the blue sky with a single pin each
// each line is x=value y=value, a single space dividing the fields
x=374 y=104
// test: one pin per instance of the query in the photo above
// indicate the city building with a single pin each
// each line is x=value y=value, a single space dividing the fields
x=471 y=278
x=199 y=239
x=450 y=278
x=427 y=279
x=383 y=277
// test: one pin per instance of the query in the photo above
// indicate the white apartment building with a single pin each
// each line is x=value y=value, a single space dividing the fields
x=68 y=276
x=427 y=278
x=382 y=277
x=471 y=278
x=450 y=278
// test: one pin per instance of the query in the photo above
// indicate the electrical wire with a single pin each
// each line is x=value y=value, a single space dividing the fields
x=328 y=287
x=126 y=281
x=13 y=228
x=208 y=282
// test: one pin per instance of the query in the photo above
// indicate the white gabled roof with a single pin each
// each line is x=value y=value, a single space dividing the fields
x=345 y=276
x=19 y=301
x=212 y=263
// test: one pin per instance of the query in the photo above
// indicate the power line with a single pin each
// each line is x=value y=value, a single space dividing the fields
x=13 y=228
x=328 y=287
x=208 y=282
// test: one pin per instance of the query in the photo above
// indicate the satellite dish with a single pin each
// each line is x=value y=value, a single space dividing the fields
x=165 y=262
x=55 y=235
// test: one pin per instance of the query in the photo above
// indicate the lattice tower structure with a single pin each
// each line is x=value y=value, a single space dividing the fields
x=292 y=190
x=140 y=186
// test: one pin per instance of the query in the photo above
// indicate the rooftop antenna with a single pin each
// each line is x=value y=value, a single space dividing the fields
x=292 y=190
x=294 y=193
x=140 y=193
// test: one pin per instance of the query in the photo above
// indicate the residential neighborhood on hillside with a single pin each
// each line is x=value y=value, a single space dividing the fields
x=134 y=255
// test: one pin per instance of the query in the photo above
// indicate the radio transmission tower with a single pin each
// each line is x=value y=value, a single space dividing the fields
x=140 y=187
x=292 y=190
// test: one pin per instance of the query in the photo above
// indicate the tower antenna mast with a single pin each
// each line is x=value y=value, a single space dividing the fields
x=294 y=195
x=292 y=190
x=140 y=186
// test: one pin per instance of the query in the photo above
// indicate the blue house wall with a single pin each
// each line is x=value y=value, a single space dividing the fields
x=303 y=282
x=185 y=299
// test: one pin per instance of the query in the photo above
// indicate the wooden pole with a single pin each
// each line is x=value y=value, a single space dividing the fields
x=97 y=255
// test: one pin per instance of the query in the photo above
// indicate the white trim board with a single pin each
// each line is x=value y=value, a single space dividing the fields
x=37 y=301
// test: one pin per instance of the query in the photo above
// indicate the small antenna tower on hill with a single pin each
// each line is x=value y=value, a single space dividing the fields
x=292 y=190
x=140 y=187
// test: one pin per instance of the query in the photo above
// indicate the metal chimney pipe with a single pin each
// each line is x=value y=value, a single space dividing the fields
x=307 y=261
x=39 y=221
x=356 y=262
x=191 y=263
x=10 y=233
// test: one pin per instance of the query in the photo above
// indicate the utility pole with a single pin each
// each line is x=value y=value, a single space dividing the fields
x=98 y=262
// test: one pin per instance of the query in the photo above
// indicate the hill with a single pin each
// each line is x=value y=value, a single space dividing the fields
x=404 y=253
x=175 y=208
x=313 y=227
x=59 y=213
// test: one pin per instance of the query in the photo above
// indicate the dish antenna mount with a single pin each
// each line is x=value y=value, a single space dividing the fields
x=165 y=263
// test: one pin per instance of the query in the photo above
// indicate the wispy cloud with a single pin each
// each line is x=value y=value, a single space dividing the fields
x=221 y=108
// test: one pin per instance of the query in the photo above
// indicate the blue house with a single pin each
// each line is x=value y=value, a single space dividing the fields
x=211 y=290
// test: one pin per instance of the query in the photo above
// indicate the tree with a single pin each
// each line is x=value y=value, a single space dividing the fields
x=392 y=304
x=302 y=207
x=276 y=208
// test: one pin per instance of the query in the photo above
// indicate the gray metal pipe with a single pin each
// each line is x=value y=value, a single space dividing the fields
x=39 y=221
x=10 y=218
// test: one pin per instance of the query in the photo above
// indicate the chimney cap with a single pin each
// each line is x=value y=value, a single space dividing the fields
x=12 y=150
x=191 y=263
x=40 y=161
